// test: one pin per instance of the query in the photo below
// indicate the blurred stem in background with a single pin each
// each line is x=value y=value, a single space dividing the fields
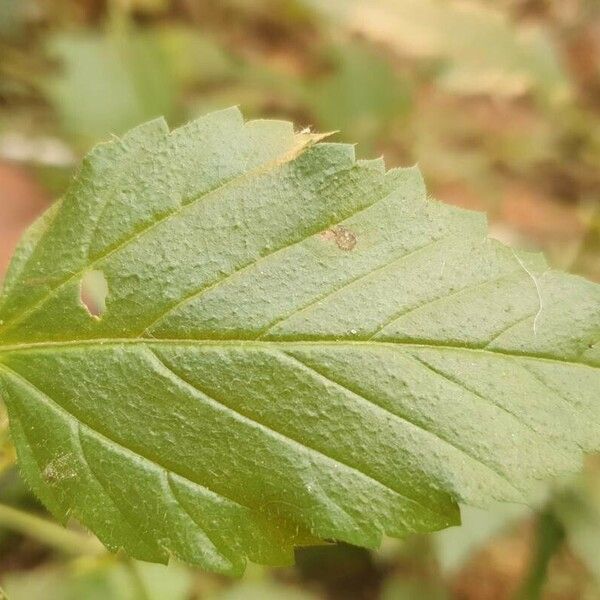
x=7 y=451
x=138 y=582
x=588 y=249
x=47 y=532
x=118 y=15
x=550 y=535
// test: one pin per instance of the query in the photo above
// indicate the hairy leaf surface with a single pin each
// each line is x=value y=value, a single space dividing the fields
x=290 y=346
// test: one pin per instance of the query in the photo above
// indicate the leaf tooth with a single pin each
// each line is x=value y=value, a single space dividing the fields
x=148 y=501
x=66 y=473
x=136 y=543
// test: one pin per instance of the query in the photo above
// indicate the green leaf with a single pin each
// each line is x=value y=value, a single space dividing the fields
x=290 y=346
x=362 y=97
x=108 y=82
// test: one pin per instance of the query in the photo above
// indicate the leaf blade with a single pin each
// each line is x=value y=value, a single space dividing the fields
x=309 y=350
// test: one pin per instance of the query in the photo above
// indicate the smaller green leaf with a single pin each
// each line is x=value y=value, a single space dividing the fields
x=107 y=82
x=361 y=97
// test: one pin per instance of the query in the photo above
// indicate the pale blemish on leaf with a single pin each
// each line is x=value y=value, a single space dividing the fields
x=59 y=469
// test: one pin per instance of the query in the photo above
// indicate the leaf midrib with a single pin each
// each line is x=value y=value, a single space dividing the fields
x=249 y=343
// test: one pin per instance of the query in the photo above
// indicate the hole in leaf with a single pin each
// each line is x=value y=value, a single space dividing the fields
x=93 y=293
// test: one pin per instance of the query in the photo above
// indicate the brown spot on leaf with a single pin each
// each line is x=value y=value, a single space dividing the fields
x=344 y=238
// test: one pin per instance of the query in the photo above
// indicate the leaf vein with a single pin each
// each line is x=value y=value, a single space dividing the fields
x=198 y=293
x=466 y=388
x=508 y=327
x=444 y=298
x=269 y=430
x=109 y=440
x=393 y=263
x=134 y=235
x=193 y=519
x=86 y=462
x=392 y=344
x=405 y=420
x=551 y=388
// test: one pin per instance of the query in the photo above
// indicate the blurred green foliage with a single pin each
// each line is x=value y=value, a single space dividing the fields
x=109 y=83
x=476 y=49
x=499 y=103
x=99 y=579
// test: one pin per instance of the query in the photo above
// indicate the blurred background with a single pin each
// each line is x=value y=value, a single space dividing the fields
x=498 y=101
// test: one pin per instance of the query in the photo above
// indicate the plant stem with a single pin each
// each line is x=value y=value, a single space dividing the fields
x=138 y=582
x=47 y=532
x=590 y=241
x=549 y=538
x=118 y=15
